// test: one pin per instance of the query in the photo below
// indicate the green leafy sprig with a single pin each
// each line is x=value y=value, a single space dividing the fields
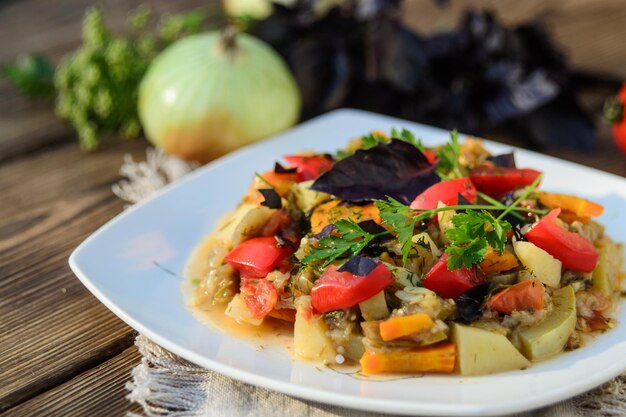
x=448 y=155
x=475 y=230
x=350 y=239
x=473 y=233
x=402 y=220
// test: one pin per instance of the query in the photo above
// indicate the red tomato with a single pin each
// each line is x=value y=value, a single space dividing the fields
x=446 y=192
x=260 y=296
x=573 y=250
x=310 y=167
x=257 y=257
x=449 y=284
x=526 y=294
x=614 y=113
x=496 y=181
x=336 y=290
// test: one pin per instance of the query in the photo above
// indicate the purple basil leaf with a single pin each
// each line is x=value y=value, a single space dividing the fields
x=463 y=201
x=371 y=227
x=560 y=123
x=279 y=169
x=272 y=199
x=326 y=231
x=506 y=160
x=359 y=265
x=396 y=169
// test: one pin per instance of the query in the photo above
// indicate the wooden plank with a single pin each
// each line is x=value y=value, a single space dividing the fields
x=51 y=327
x=97 y=392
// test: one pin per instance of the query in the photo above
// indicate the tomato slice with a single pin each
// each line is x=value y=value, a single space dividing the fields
x=526 y=294
x=573 y=250
x=310 y=167
x=257 y=257
x=445 y=191
x=449 y=284
x=335 y=290
x=496 y=181
x=260 y=296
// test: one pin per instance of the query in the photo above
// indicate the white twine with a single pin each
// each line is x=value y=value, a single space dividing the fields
x=145 y=178
x=166 y=385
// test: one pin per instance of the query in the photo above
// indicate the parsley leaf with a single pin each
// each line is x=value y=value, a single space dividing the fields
x=372 y=140
x=400 y=217
x=473 y=233
x=350 y=239
x=448 y=155
x=407 y=136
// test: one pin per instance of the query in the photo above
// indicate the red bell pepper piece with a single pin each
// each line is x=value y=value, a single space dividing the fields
x=257 y=257
x=335 y=290
x=573 y=250
x=496 y=181
x=446 y=192
x=449 y=284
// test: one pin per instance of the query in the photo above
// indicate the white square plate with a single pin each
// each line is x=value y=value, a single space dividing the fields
x=118 y=264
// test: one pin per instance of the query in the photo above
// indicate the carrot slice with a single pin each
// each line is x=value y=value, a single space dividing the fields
x=436 y=358
x=401 y=326
x=498 y=262
x=270 y=179
x=334 y=210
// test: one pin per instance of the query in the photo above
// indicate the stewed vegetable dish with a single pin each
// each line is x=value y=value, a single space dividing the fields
x=402 y=258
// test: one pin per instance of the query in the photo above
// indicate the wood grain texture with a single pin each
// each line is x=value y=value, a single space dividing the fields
x=88 y=394
x=51 y=327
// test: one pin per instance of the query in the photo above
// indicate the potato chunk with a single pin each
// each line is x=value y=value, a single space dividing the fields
x=541 y=265
x=309 y=334
x=482 y=352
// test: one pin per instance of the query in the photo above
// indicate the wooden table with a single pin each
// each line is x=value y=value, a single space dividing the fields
x=60 y=349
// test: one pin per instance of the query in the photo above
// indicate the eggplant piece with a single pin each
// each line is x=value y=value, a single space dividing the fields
x=469 y=305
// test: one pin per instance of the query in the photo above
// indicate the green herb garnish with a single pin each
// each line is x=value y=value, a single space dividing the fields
x=401 y=219
x=350 y=239
x=473 y=233
x=475 y=230
x=407 y=136
x=448 y=155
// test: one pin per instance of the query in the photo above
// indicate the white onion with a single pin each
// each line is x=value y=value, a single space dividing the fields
x=209 y=94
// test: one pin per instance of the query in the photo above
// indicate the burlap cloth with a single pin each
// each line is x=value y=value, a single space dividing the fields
x=167 y=385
